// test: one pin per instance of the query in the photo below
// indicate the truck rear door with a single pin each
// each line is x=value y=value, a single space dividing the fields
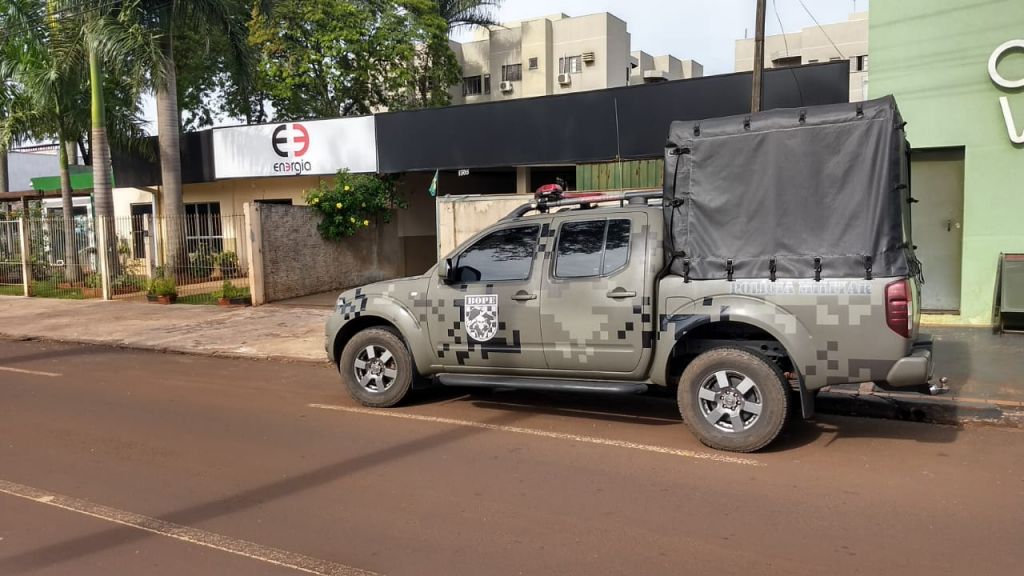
x=595 y=299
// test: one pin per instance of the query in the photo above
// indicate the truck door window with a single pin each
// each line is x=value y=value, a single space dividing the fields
x=616 y=247
x=591 y=248
x=505 y=254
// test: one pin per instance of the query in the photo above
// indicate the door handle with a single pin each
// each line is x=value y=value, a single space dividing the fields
x=620 y=293
x=523 y=296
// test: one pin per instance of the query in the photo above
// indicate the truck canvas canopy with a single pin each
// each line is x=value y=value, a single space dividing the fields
x=789 y=193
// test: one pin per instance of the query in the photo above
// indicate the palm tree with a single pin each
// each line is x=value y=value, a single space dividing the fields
x=46 y=49
x=43 y=62
x=147 y=30
x=468 y=13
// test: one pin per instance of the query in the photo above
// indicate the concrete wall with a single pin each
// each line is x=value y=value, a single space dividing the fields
x=297 y=261
x=935 y=62
x=231 y=194
x=461 y=217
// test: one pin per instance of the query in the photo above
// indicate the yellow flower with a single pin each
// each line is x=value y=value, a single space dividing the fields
x=315 y=200
x=353 y=220
x=347 y=188
x=338 y=205
x=366 y=222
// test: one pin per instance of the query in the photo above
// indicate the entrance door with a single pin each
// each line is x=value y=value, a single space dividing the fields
x=937 y=182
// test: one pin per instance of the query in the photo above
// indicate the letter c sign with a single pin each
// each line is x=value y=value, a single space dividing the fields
x=994 y=74
x=1000 y=80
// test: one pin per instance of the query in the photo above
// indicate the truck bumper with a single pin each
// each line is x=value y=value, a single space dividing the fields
x=916 y=368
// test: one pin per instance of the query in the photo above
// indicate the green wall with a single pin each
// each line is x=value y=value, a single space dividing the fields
x=933 y=56
x=625 y=175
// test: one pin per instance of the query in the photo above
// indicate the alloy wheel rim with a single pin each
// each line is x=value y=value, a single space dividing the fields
x=730 y=401
x=375 y=368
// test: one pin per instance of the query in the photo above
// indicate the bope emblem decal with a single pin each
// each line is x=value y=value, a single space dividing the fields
x=482 y=317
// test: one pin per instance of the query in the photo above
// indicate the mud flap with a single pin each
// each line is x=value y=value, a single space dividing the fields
x=806 y=399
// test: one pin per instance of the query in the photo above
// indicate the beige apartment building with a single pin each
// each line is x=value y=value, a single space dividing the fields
x=813 y=44
x=557 y=54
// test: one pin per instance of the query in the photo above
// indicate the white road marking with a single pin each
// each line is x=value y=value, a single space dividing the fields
x=196 y=536
x=32 y=372
x=725 y=458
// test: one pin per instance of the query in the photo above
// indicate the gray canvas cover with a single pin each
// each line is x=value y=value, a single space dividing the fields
x=816 y=191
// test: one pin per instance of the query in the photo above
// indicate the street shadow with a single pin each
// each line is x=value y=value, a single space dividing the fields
x=633 y=409
x=76 y=548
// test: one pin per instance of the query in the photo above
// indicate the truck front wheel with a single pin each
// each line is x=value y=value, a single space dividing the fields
x=376 y=367
x=733 y=399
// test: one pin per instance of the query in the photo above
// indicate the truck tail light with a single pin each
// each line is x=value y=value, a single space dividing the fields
x=898 y=307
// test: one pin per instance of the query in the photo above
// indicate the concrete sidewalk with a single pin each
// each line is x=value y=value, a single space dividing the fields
x=266 y=332
x=985 y=370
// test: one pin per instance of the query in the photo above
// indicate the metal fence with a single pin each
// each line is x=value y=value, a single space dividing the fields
x=11 y=275
x=194 y=259
x=62 y=258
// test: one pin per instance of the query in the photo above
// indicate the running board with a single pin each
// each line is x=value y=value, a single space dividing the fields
x=549 y=384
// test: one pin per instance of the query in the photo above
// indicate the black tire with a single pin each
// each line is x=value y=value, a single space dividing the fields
x=389 y=381
x=751 y=381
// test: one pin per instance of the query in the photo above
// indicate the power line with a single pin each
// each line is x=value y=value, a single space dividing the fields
x=840 y=52
x=775 y=8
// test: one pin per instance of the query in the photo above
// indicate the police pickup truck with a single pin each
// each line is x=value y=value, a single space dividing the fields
x=746 y=290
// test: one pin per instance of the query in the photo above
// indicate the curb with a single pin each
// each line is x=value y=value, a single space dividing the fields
x=168 y=349
x=919 y=408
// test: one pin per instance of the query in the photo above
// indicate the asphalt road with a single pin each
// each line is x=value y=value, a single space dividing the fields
x=118 y=462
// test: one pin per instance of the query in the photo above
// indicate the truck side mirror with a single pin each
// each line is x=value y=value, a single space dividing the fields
x=449 y=271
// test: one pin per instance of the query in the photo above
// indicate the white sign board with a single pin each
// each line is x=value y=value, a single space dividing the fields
x=296 y=148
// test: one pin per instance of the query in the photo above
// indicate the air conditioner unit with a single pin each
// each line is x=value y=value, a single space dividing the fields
x=564 y=79
x=506 y=86
x=588 y=57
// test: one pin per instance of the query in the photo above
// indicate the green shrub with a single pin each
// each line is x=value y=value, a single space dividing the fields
x=352 y=202
x=162 y=285
x=228 y=262
x=229 y=291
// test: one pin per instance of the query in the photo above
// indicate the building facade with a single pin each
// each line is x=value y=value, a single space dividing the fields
x=830 y=42
x=557 y=54
x=957 y=73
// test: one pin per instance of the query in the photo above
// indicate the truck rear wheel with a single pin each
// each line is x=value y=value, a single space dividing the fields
x=376 y=367
x=733 y=399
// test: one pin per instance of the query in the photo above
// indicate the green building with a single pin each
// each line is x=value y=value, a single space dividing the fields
x=956 y=68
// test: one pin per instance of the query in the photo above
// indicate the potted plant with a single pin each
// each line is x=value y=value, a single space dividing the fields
x=162 y=290
x=92 y=288
x=228 y=262
x=231 y=295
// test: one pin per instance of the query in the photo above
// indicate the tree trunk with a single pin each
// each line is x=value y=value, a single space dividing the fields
x=72 y=269
x=5 y=185
x=168 y=129
x=102 y=186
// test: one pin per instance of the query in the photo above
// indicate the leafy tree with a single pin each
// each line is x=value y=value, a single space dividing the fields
x=467 y=13
x=348 y=57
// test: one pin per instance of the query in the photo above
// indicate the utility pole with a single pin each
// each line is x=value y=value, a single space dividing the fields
x=758 y=88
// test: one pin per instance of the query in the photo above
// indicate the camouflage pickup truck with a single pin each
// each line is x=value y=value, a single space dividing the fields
x=603 y=294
